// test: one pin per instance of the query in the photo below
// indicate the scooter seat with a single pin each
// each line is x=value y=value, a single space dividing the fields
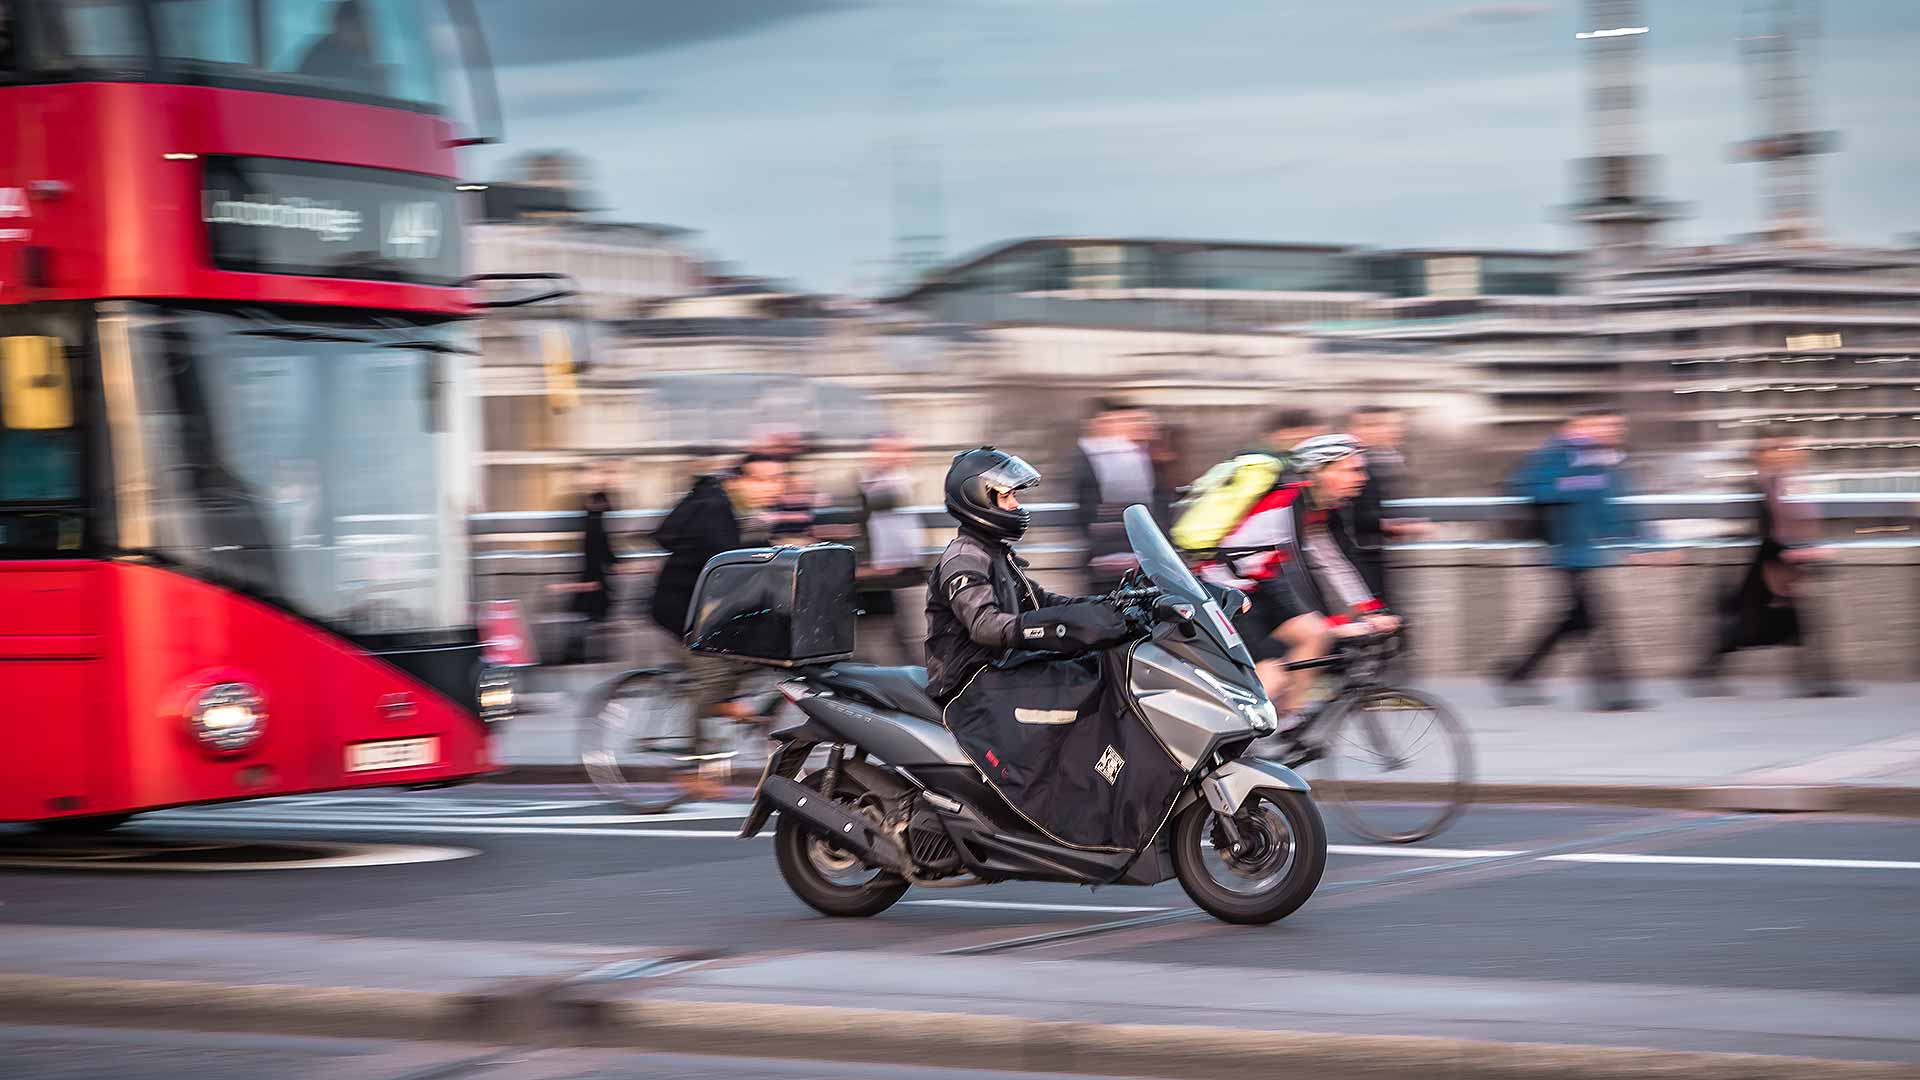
x=903 y=689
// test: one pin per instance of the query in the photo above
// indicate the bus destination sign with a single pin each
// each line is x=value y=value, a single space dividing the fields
x=275 y=216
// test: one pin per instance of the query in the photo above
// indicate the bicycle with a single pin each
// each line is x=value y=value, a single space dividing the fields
x=1351 y=731
x=636 y=731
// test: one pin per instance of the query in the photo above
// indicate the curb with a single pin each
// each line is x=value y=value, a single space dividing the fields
x=564 y=1016
x=1883 y=801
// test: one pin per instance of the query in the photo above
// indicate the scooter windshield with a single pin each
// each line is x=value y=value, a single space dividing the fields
x=1168 y=572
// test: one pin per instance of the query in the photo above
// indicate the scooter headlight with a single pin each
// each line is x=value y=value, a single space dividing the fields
x=1263 y=717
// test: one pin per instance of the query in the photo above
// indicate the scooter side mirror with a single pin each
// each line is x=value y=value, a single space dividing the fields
x=1179 y=613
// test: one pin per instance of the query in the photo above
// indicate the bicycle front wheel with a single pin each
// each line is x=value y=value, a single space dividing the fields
x=1399 y=765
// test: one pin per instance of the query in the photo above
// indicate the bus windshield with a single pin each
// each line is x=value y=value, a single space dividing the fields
x=315 y=465
x=397 y=52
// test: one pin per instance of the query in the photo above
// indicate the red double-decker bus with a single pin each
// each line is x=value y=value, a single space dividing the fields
x=235 y=429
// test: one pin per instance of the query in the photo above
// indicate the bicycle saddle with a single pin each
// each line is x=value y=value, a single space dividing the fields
x=903 y=689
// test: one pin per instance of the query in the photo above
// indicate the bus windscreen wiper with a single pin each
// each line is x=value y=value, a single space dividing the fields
x=290 y=333
x=431 y=346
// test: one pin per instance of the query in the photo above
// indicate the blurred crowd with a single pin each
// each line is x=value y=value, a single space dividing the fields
x=1124 y=454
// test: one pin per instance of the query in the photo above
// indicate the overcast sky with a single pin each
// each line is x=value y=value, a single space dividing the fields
x=775 y=127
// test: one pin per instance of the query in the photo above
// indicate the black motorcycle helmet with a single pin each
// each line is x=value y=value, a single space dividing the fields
x=971 y=482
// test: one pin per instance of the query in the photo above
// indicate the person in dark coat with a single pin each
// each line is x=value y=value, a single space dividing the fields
x=1381 y=430
x=1765 y=608
x=593 y=593
x=1112 y=470
x=720 y=513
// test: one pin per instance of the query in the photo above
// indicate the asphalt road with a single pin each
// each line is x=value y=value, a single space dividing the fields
x=71 y=1053
x=1537 y=893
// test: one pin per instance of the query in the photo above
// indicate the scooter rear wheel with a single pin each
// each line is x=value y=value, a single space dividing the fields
x=828 y=879
x=1283 y=852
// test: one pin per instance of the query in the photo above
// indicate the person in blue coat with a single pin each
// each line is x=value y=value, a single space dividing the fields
x=1575 y=483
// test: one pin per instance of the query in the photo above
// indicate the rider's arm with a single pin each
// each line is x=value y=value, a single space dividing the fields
x=1062 y=626
x=967 y=584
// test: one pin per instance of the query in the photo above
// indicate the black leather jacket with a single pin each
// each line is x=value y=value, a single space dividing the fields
x=976 y=594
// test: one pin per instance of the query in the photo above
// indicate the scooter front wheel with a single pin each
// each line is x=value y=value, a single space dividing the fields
x=1260 y=871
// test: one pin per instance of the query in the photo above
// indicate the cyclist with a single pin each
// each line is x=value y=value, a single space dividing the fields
x=981 y=606
x=1288 y=552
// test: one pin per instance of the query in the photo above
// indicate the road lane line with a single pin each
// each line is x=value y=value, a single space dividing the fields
x=1399 y=851
x=547 y=829
x=1019 y=905
x=1620 y=857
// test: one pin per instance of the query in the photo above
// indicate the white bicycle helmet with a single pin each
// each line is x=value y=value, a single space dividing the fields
x=1312 y=455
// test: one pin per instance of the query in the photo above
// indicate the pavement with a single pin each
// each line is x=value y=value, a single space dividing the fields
x=1760 y=750
x=519 y=931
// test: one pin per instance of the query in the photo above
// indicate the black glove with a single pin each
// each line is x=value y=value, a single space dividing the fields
x=1072 y=628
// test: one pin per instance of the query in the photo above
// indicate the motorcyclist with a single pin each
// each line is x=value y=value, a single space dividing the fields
x=1292 y=558
x=981 y=606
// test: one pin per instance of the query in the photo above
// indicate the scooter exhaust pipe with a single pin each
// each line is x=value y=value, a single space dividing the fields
x=850 y=831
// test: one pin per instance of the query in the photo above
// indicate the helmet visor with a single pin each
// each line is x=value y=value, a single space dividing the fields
x=1012 y=474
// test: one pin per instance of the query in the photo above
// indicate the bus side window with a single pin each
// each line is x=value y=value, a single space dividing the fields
x=39 y=448
x=39 y=393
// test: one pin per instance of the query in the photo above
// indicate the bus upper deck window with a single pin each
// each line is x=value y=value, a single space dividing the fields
x=379 y=47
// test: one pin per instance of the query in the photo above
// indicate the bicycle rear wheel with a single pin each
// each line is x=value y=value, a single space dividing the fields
x=636 y=732
x=1404 y=738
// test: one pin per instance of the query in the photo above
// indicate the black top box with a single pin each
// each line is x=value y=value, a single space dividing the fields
x=782 y=606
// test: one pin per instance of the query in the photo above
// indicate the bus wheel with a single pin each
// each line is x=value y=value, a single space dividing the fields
x=91 y=825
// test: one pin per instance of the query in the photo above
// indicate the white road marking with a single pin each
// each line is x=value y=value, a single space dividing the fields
x=548 y=827
x=1399 y=851
x=1016 y=905
x=1613 y=857
x=326 y=857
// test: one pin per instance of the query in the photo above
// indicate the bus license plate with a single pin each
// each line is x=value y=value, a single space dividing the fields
x=392 y=754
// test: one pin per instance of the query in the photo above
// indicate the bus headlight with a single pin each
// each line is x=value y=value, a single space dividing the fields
x=227 y=718
x=497 y=696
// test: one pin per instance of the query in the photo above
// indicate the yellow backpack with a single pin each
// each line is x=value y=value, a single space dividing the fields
x=1218 y=501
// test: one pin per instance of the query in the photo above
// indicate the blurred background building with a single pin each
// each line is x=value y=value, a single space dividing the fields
x=1487 y=349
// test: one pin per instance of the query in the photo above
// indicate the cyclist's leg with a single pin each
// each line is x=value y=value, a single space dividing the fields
x=712 y=685
x=1306 y=637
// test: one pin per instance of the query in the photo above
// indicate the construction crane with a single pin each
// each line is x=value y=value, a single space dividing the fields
x=1615 y=180
x=1777 y=83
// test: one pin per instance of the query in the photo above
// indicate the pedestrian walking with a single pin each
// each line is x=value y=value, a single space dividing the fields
x=1381 y=430
x=1766 y=607
x=720 y=513
x=592 y=595
x=1576 y=482
x=890 y=550
x=1112 y=470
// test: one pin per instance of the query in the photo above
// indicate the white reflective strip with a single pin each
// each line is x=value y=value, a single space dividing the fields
x=1611 y=857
